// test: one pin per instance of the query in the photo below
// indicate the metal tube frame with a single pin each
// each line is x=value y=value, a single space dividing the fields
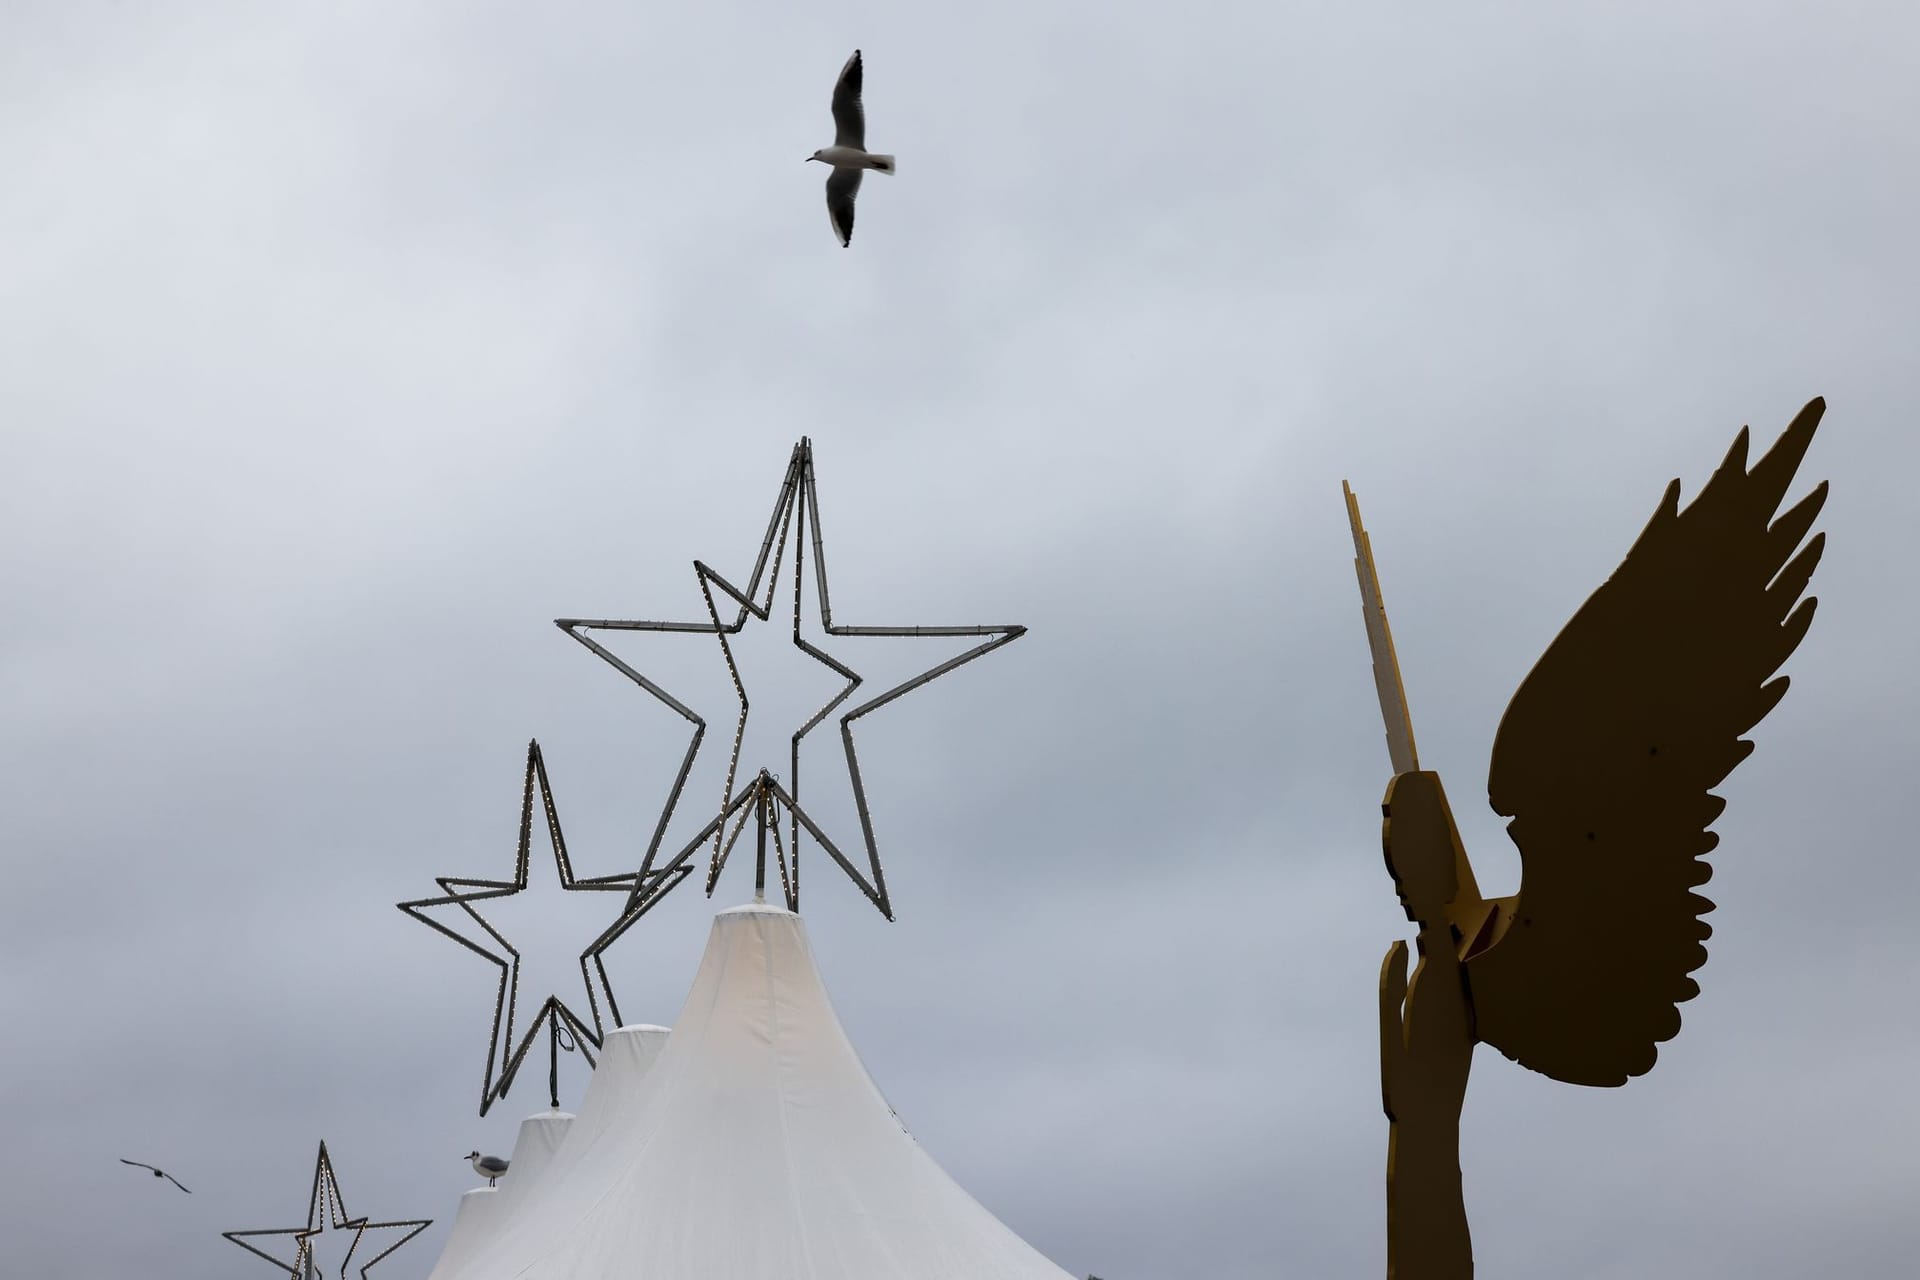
x=795 y=511
x=326 y=1200
x=505 y=1054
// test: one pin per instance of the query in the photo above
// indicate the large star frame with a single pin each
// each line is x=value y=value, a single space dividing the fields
x=504 y=1054
x=325 y=1205
x=796 y=510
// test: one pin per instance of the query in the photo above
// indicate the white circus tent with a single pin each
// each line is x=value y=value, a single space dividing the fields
x=484 y=1208
x=624 y=1059
x=757 y=1148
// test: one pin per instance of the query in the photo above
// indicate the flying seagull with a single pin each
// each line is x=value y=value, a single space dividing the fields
x=488 y=1167
x=848 y=155
x=158 y=1173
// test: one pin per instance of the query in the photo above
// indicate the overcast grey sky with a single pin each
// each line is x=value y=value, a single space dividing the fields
x=343 y=347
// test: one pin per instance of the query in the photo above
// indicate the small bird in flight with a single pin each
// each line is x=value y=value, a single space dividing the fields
x=488 y=1167
x=158 y=1173
x=848 y=154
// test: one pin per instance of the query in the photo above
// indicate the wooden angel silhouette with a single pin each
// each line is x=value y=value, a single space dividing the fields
x=1605 y=763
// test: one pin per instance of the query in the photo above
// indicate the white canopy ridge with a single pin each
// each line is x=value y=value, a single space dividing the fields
x=484 y=1209
x=625 y=1056
x=472 y=1222
x=757 y=1148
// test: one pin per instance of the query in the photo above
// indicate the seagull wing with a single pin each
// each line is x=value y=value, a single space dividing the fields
x=136 y=1164
x=842 y=186
x=175 y=1181
x=1606 y=759
x=849 y=119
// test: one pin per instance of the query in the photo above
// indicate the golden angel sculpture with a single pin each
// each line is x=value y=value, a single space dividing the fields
x=1605 y=763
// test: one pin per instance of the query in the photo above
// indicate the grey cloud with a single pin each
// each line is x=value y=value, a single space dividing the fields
x=341 y=351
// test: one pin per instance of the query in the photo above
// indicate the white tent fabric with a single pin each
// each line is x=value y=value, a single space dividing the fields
x=472 y=1223
x=757 y=1148
x=483 y=1209
x=624 y=1058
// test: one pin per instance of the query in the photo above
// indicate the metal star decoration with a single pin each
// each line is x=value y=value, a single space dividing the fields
x=325 y=1206
x=565 y=1028
x=797 y=511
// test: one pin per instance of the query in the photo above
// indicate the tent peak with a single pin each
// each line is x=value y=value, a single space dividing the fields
x=756 y=909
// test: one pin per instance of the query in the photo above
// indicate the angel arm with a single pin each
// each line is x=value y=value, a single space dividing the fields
x=1606 y=759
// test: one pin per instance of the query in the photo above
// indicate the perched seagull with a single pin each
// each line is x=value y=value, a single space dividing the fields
x=158 y=1173
x=848 y=155
x=488 y=1167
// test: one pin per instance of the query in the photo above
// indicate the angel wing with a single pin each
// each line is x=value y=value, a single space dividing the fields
x=1605 y=762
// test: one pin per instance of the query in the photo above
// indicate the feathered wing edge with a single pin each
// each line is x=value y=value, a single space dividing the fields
x=849 y=115
x=1606 y=758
